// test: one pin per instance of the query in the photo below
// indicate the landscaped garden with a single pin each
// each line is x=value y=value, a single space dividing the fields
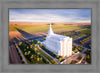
x=33 y=54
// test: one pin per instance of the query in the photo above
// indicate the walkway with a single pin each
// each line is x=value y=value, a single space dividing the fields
x=21 y=54
x=48 y=55
x=13 y=55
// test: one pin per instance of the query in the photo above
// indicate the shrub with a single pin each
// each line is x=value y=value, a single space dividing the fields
x=22 y=60
x=38 y=42
x=20 y=43
x=80 y=57
x=24 y=49
x=29 y=52
x=75 y=50
x=27 y=47
x=32 y=57
x=73 y=62
x=44 y=38
x=57 y=56
x=25 y=53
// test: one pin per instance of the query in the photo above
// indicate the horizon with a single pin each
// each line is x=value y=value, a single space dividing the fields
x=50 y=15
x=49 y=22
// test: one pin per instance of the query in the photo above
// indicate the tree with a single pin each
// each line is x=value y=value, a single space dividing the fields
x=60 y=59
x=38 y=59
x=35 y=41
x=41 y=58
x=66 y=57
x=32 y=57
x=31 y=46
x=53 y=52
x=88 y=59
x=25 y=53
x=24 y=49
x=73 y=62
x=38 y=42
x=22 y=60
x=29 y=52
x=27 y=47
x=35 y=45
x=20 y=43
x=80 y=57
x=41 y=45
x=35 y=49
x=32 y=40
x=57 y=56
x=38 y=53
x=75 y=50
x=44 y=38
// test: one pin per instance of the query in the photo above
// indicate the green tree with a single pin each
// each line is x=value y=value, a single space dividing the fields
x=38 y=42
x=44 y=38
x=38 y=59
x=60 y=59
x=75 y=50
x=57 y=56
x=27 y=47
x=80 y=57
x=24 y=49
x=73 y=62
x=25 y=53
x=22 y=60
x=32 y=56
x=35 y=49
x=31 y=46
x=29 y=52
x=20 y=43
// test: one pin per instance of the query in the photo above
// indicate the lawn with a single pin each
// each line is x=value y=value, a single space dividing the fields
x=85 y=31
x=42 y=28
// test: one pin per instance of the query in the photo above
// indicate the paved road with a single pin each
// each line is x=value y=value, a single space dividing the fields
x=21 y=54
x=13 y=55
x=73 y=57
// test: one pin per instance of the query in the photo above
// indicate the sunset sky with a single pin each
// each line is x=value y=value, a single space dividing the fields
x=50 y=15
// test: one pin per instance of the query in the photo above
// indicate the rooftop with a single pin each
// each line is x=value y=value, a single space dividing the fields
x=57 y=37
x=54 y=36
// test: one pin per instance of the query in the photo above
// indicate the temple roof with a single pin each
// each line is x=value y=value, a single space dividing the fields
x=57 y=37
x=52 y=35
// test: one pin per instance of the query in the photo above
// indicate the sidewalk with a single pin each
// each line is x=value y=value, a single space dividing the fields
x=49 y=55
x=21 y=54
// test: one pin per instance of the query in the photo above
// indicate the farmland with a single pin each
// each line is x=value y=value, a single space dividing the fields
x=21 y=33
x=26 y=30
x=43 y=28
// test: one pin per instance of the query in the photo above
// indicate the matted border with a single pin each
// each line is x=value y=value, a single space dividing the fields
x=6 y=4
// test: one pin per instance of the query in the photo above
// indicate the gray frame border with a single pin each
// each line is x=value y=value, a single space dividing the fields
x=4 y=5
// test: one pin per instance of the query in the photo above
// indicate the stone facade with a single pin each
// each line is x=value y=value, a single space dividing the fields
x=61 y=45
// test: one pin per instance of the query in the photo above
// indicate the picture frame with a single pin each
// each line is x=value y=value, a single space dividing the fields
x=4 y=36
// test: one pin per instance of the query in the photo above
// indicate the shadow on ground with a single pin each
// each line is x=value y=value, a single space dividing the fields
x=26 y=36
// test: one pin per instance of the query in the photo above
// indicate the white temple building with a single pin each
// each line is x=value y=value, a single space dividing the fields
x=61 y=45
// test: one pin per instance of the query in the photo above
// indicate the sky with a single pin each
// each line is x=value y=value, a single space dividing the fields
x=50 y=15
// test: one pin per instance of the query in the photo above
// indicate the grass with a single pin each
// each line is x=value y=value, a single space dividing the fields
x=86 y=31
x=42 y=28
x=49 y=58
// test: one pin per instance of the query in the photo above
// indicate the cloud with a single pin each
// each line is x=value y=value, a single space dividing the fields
x=48 y=16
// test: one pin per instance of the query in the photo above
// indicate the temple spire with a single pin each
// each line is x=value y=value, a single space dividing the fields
x=50 y=32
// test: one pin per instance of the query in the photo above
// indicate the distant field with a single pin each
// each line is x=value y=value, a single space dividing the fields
x=42 y=28
x=18 y=31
